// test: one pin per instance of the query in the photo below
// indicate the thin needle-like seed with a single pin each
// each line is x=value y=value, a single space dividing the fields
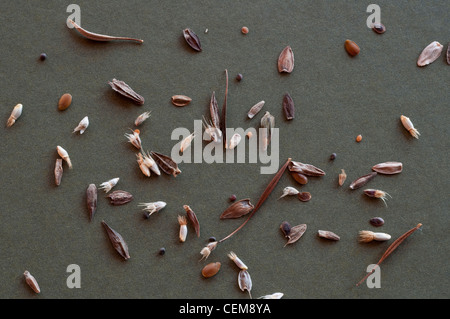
x=224 y=112
x=101 y=37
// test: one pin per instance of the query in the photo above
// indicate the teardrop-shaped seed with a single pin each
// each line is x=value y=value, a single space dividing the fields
x=211 y=269
x=120 y=197
x=388 y=168
x=351 y=47
x=430 y=53
x=378 y=28
x=286 y=60
x=255 y=109
x=296 y=233
x=300 y=178
x=328 y=235
x=64 y=101
x=166 y=164
x=238 y=209
x=192 y=39
x=32 y=282
x=245 y=281
x=117 y=241
x=181 y=100
x=288 y=107
x=363 y=180
x=193 y=219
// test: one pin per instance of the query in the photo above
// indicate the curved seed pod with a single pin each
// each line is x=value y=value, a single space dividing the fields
x=117 y=241
x=166 y=164
x=238 y=209
x=100 y=37
x=295 y=233
x=255 y=109
x=91 y=200
x=15 y=114
x=388 y=168
x=305 y=169
x=286 y=60
x=32 y=282
x=430 y=53
x=363 y=180
x=192 y=39
x=193 y=218
x=245 y=281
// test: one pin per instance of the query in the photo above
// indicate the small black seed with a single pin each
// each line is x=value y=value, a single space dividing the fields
x=162 y=251
x=333 y=156
x=43 y=56
x=239 y=77
x=212 y=239
x=232 y=198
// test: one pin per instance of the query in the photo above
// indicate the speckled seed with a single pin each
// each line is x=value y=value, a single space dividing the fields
x=377 y=221
x=211 y=269
x=64 y=101
x=351 y=47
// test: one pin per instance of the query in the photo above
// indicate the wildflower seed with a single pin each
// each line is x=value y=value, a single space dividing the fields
x=288 y=107
x=366 y=236
x=328 y=235
x=379 y=28
x=237 y=261
x=245 y=281
x=64 y=155
x=211 y=269
x=285 y=227
x=192 y=39
x=255 y=109
x=107 y=186
x=238 y=209
x=15 y=114
x=408 y=125
x=183 y=228
x=388 y=168
x=375 y=193
x=376 y=221
x=125 y=90
x=193 y=219
x=430 y=54
x=141 y=118
x=212 y=239
x=134 y=138
x=64 y=101
x=181 y=100
x=117 y=241
x=91 y=200
x=120 y=197
x=82 y=126
x=342 y=177
x=152 y=207
x=206 y=251
x=186 y=142
x=363 y=180
x=351 y=47
x=267 y=125
x=289 y=191
x=58 y=171
x=286 y=60
x=295 y=234
x=31 y=281
x=166 y=164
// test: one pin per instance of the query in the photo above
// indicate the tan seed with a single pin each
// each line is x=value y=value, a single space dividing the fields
x=211 y=269
x=181 y=100
x=286 y=60
x=328 y=235
x=64 y=101
x=351 y=47
x=342 y=177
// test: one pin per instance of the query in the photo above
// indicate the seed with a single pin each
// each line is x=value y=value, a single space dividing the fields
x=305 y=169
x=186 y=142
x=359 y=138
x=134 y=138
x=289 y=191
x=351 y=47
x=212 y=239
x=235 y=140
x=249 y=135
x=333 y=156
x=100 y=37
x=192 y=39
x=267 y=125
x=107 y=186
x=91 y=200
x=285 y=228
x=237 y=261
x=15 y=114
x=117 y=241
x=304 y=196
x=238 y=209
x=430 y=53
x=153 y=207
x=120 y=197
x=388 y=168
x=363 y=180
x=255 y=109
x=239 y=77
x=162 y=251
x=43 y=56
x=286 y=60
x=245 y=281
x=58 y=171
x=376 y=221
x=328 y=235
x=141 y=118
x=149 y=162
x=166 y=164
x=206 y=251
x=211 y=269
x=342 y=177
x=244 y=30
x=125 y=90
x=84 y=123
x=378 y=28
x=64 y=101
x=295 y=233
x=366 y=236
x=193 y=219
x=31 y=281
x=183 y=228
x=232 y=198
x=407 y=124
x=300 y=178
x=181 y=100
x=64 y=155
x=375 y=193
x=288 y=107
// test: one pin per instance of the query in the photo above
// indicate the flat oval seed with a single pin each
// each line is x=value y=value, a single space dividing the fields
x=351 y=47
x=64 y=101
x=211 y=269
x=300 y=178
x=379 y=28
x=376 y=221
x=304 y=196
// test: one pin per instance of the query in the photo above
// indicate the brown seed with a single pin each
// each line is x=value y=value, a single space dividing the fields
x=238 y=209
x=64 y=101
x=244 y=30
x=376 y=221
x=430 y=53
x=58 y=171
x=124 y=89
x=120 y=197
x=288 y=107
x=211 y=269
x=286 y=60
x=351 y=47
x=181 y=100
x=31 y=281
x=305 y=169
x=91 y=200
x=359 y=138
x=255 y=109
x=192 y=39
x=342 y=177
x=304 y=196
x=117 y=241
x=166 y=164
x=363 y=180
x=388 y=168
x=378 y=28
x=295 y=234
x=300 y=178
x=328 y=235
x=193 y=218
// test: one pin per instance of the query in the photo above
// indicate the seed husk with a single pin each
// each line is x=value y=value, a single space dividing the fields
x=101 y=37
x=378 y=28
x=295 y=234
x=304 y=196
x=91 y=200
x=388 y=168
x=120 y=197
x=300 y=178
x=117 y=241
x=192 y=39
x=255 y=109
x=267 y=125
x=193 y=219
x=408 y=125
x=238 y=209
x=166 y=164
x=286 y=60
x=288 y=107
x=64 y=101
x=328 y=235
x=181 y=100
x=237 y=261
x=376 y=221
x=58 y=171
x=141 y=118
x=15 y=114
x=211 y=269
x=363 y=180
x=245 y=281
x=351 y=47
x=305 y=169
x=32 y=282
x=286 y=228
x=366 y=236
x=125 y=90
x=430 y=54
x=342 y=177
x=64 y=155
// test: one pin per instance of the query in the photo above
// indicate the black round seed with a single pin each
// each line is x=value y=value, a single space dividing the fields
x=232 y=198
x=239 y=77
x=162 y=251
x=379 y=28
x=43 y=56
x=333 y=157
x=376 y=221
x=212 y=239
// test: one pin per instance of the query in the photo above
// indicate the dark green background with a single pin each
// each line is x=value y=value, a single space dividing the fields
x=45 y=228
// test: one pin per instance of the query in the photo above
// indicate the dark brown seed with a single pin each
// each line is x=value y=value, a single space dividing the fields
x=211 y=269
x=363 y=180
x=232 y=198
x=351 y=47
x=388 y=168
x=285 y=228
x=238 y=209
x=117 y=241
x=192 y=39
x=120 y=197
x=125 y=90
x=333 y=156
x=300 y=178
x=64 y=101
x=58 y=171
x=91 y=199
x=181 y=100
x=239 y=77
x=166 y=164
x=304 y=196
x=328 y=235
x=193 y=219
x=288 y=107
x=296 y=233
x=376 y=221
x=448 y=54
x=305 y=169
x=379 y=28
x=286 y=60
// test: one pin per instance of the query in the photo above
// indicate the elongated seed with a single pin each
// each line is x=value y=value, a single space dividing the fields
x=237 y=261
x=181 y=100
x=255 y=109
x=101 y=37
x=64 y=101
x=275 y=295
x=351 y=47
x=430 y=54
x=186 y=142
x=192 y=39
x=107 y=186
x=366 y=236
x=15 y=114
x=91 y=200
x=235 y=140
x=193 y=219
x=299 y=178
x=58 y=171
x=120 y=197
x=245 y=281
x=408 y=125
x=117 y=241
x=288 y=107
x=305 y=169
x=125 y=90
x=448 y=54
x=238 y=209
x=141 y=118
x=166 y=164
x=32 y=282
x=388 y=168
x=363 y=180
x=211 y=269
x=183 y=228
x=286 y=60
x=328 y=235
x=342 y=177
x=82 y=126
